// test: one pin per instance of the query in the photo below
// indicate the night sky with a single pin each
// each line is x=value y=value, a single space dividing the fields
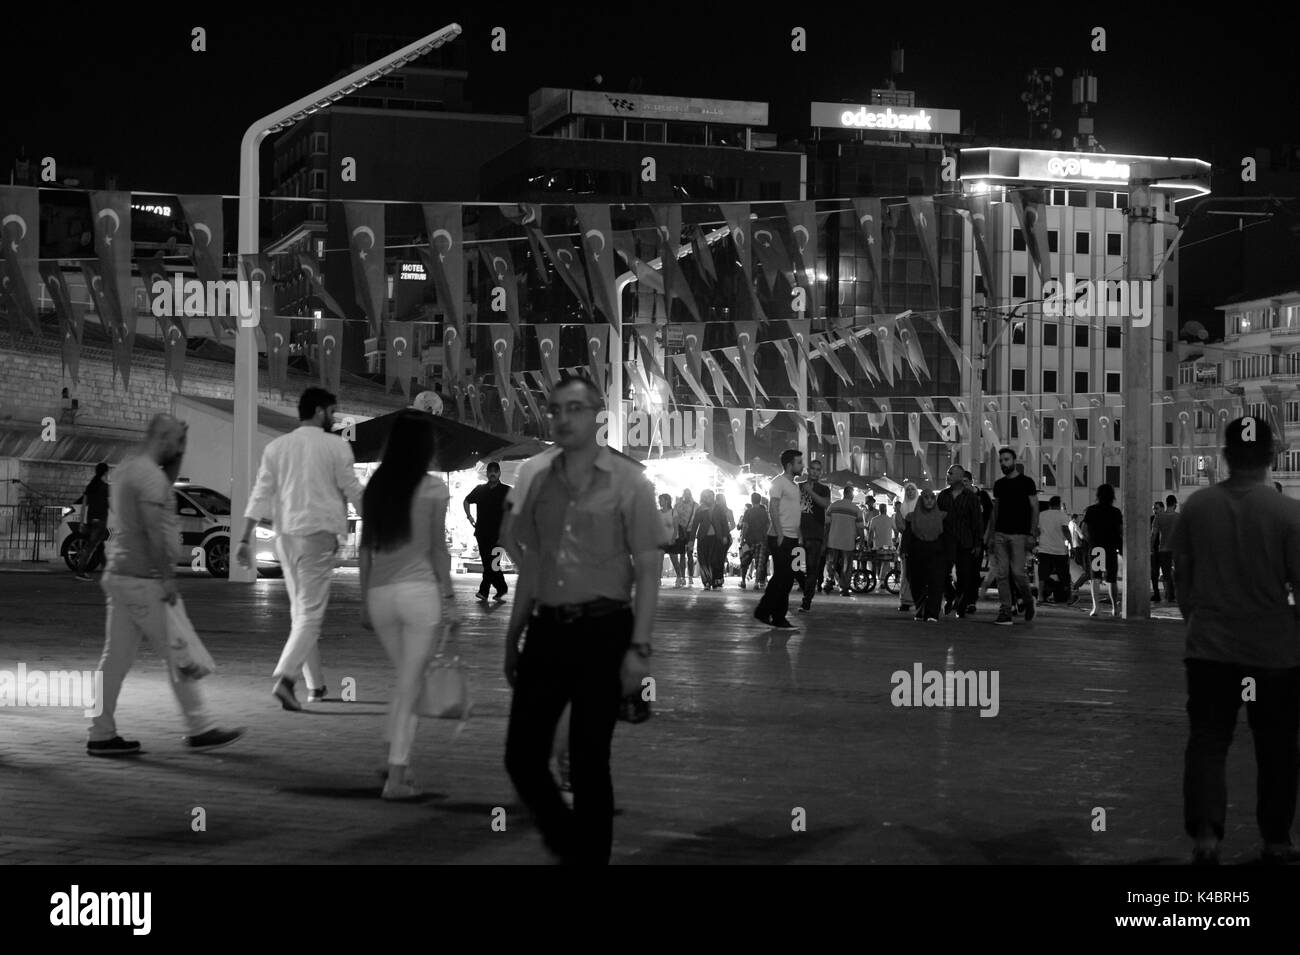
x=124 y=91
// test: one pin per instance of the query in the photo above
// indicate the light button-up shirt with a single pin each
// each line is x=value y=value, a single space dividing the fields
x=302 y=483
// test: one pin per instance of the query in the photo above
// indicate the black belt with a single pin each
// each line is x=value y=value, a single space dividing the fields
x=568 y=613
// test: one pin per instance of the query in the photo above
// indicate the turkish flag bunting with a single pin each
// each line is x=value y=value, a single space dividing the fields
x=444 y=259
x=112 y=231
x=330 y=356
x=548 y=346
x=869 y=221
x=597 y=352
x=400 y=359
x=501 y=273
x=204 y=218
x=1031 y=209
x=366 y=237
x=120 y=335
x=772 y=253
x=20 y=232
x=598 y=247
x=668 y=223
x=802 y=217
x=171 y=330
x=691 y=380
x=736 y=417
x=72 y=318
x=316 y=278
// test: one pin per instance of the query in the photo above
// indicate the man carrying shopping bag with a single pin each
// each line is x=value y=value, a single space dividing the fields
x=140 y=585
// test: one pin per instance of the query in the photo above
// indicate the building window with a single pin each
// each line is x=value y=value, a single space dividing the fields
x=1017 y=240
x=1082 y=242
x=1018 y=333
x=1080 y=382
x=1017 y=384
x=318 y=211
x=1049 y=381
x=1105 y=200
x=1121 y=200
x=1077 y=198
x=1081 y=429
x=1114 y=243
x=318 y=180
x=1081 y=336
x=1112 y=475
x=1049 y=333
x=1169 y=341
x=1169 y=296
x=979 y=285
x=1015 y=427
x=1053 y=240
x=1049 y=427
x=1169 y=432
x=320 y=248
x=1112 y=382
x=1018 y=286
x=1116 y=427
x=1113 y=337
x=1169 y=382
x=319 y=143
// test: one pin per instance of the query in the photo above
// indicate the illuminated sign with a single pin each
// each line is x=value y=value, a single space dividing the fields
x=887 y=119
x=548 y=105
x=1086 y=169
x=413 y=272
x=156 y=210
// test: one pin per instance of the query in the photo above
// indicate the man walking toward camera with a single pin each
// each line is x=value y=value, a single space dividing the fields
x=139 y=582
x=1012 y=534
x=1236 y=550
x=490 y=501
x=786 y=511
x=303 y=480
x=587 y=533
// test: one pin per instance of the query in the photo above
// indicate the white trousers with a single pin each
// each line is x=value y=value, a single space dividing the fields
x=136 y=609
x=405 y=617
x=308 y=563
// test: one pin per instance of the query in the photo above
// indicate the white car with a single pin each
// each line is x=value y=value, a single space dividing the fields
x=203 y=516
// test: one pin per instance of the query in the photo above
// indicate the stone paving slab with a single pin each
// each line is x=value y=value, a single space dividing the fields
x=750 y=726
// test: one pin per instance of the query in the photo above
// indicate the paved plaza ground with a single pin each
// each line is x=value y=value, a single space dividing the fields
x=750 y=726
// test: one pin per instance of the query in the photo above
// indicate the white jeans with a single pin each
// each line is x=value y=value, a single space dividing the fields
x=405 y=617
x=308 y=563
x=136 y=609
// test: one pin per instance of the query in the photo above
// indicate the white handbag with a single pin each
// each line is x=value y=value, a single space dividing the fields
x=188 y=657
x=445 y=693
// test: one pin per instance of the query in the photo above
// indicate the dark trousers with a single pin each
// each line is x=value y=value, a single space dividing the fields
x=1213 y=695
x=575 y=664
x=926 y=570
x=966 y=591
x=491 y=578
x=812 y=574
x=776 y=596
x=1054 y=566
x=96 y=531
x=757 y=555
x=1162 y=562
x=706 y=548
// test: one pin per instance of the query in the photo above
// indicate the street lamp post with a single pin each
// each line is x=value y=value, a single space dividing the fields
x=245 y=423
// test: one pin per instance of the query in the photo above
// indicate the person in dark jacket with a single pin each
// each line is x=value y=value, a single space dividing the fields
x=963 y=532
x=94 y=518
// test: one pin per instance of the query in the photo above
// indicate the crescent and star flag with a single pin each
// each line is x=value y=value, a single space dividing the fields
x=703 y=255
x=840 y=422
x=868 y=215
x=802 y=217
x=647 y=341
x=721 y=387
x=814 y=421
x=72 y=318
x=786 y=351
x=1183 y=419
x=736 y=215
x=527 y=392
x=330 y=339
x=975 y=209
x=625 y=246
x=529 y=215
x=693 y=337
x=773 y=255
x=691 y=380
x=860 y=353
x=736 y=417
x=762 y=418
x=315 y=277
x=668 y=227
x=171 y=330
x=112 y=229
x=1031 y=209
x=475 y=395
x=1276 y=403
x=914 y=433
x=276 y=328
x=963 y=414
x=926 y=218
x=824 y=349
x=120 y=336
x=885 y=348
x=876 y=419
x=911 y=346
x=747 y=339
x=501 y=273
x=927 y=408
x=365 y=224
x=883 y=405
x=204 y=218
x=598 y=247
x=548 y=347
x=958 y=355
x=889 y=229
x=597 y=352
x=445 y=258
x=452 y=351
x=1080 y=469
x=734 y=355
x=800 y=331
x=399 y=363
x=565 y=255
x=20 y=219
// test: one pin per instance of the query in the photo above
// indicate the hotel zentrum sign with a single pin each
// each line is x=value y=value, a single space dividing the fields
x=888 y=119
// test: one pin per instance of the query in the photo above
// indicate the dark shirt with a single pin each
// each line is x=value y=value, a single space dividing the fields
x=1164 y=531
x=964 y=527
x=812 y=516
x=986 y=506
x=1105 y=526
x=96 y=498
x=491 y=503
x=755 y=524
x=1013 y=495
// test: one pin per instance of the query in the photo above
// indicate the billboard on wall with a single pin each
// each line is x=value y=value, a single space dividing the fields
x=888 y=119
x=548 y=105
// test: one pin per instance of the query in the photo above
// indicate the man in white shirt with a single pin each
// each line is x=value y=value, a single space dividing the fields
x=786 y=510
x=301 y=485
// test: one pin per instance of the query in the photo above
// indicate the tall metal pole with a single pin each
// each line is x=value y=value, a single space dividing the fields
x=617 y=430
x=975 y=434
x=1138 y=411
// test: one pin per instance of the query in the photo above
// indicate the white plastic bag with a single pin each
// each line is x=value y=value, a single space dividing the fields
x=189 y=658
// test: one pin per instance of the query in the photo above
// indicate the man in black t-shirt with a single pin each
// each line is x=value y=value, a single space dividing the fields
x=490 y=501
x=814 y=498
x=94 y=518
x=1012 y=534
